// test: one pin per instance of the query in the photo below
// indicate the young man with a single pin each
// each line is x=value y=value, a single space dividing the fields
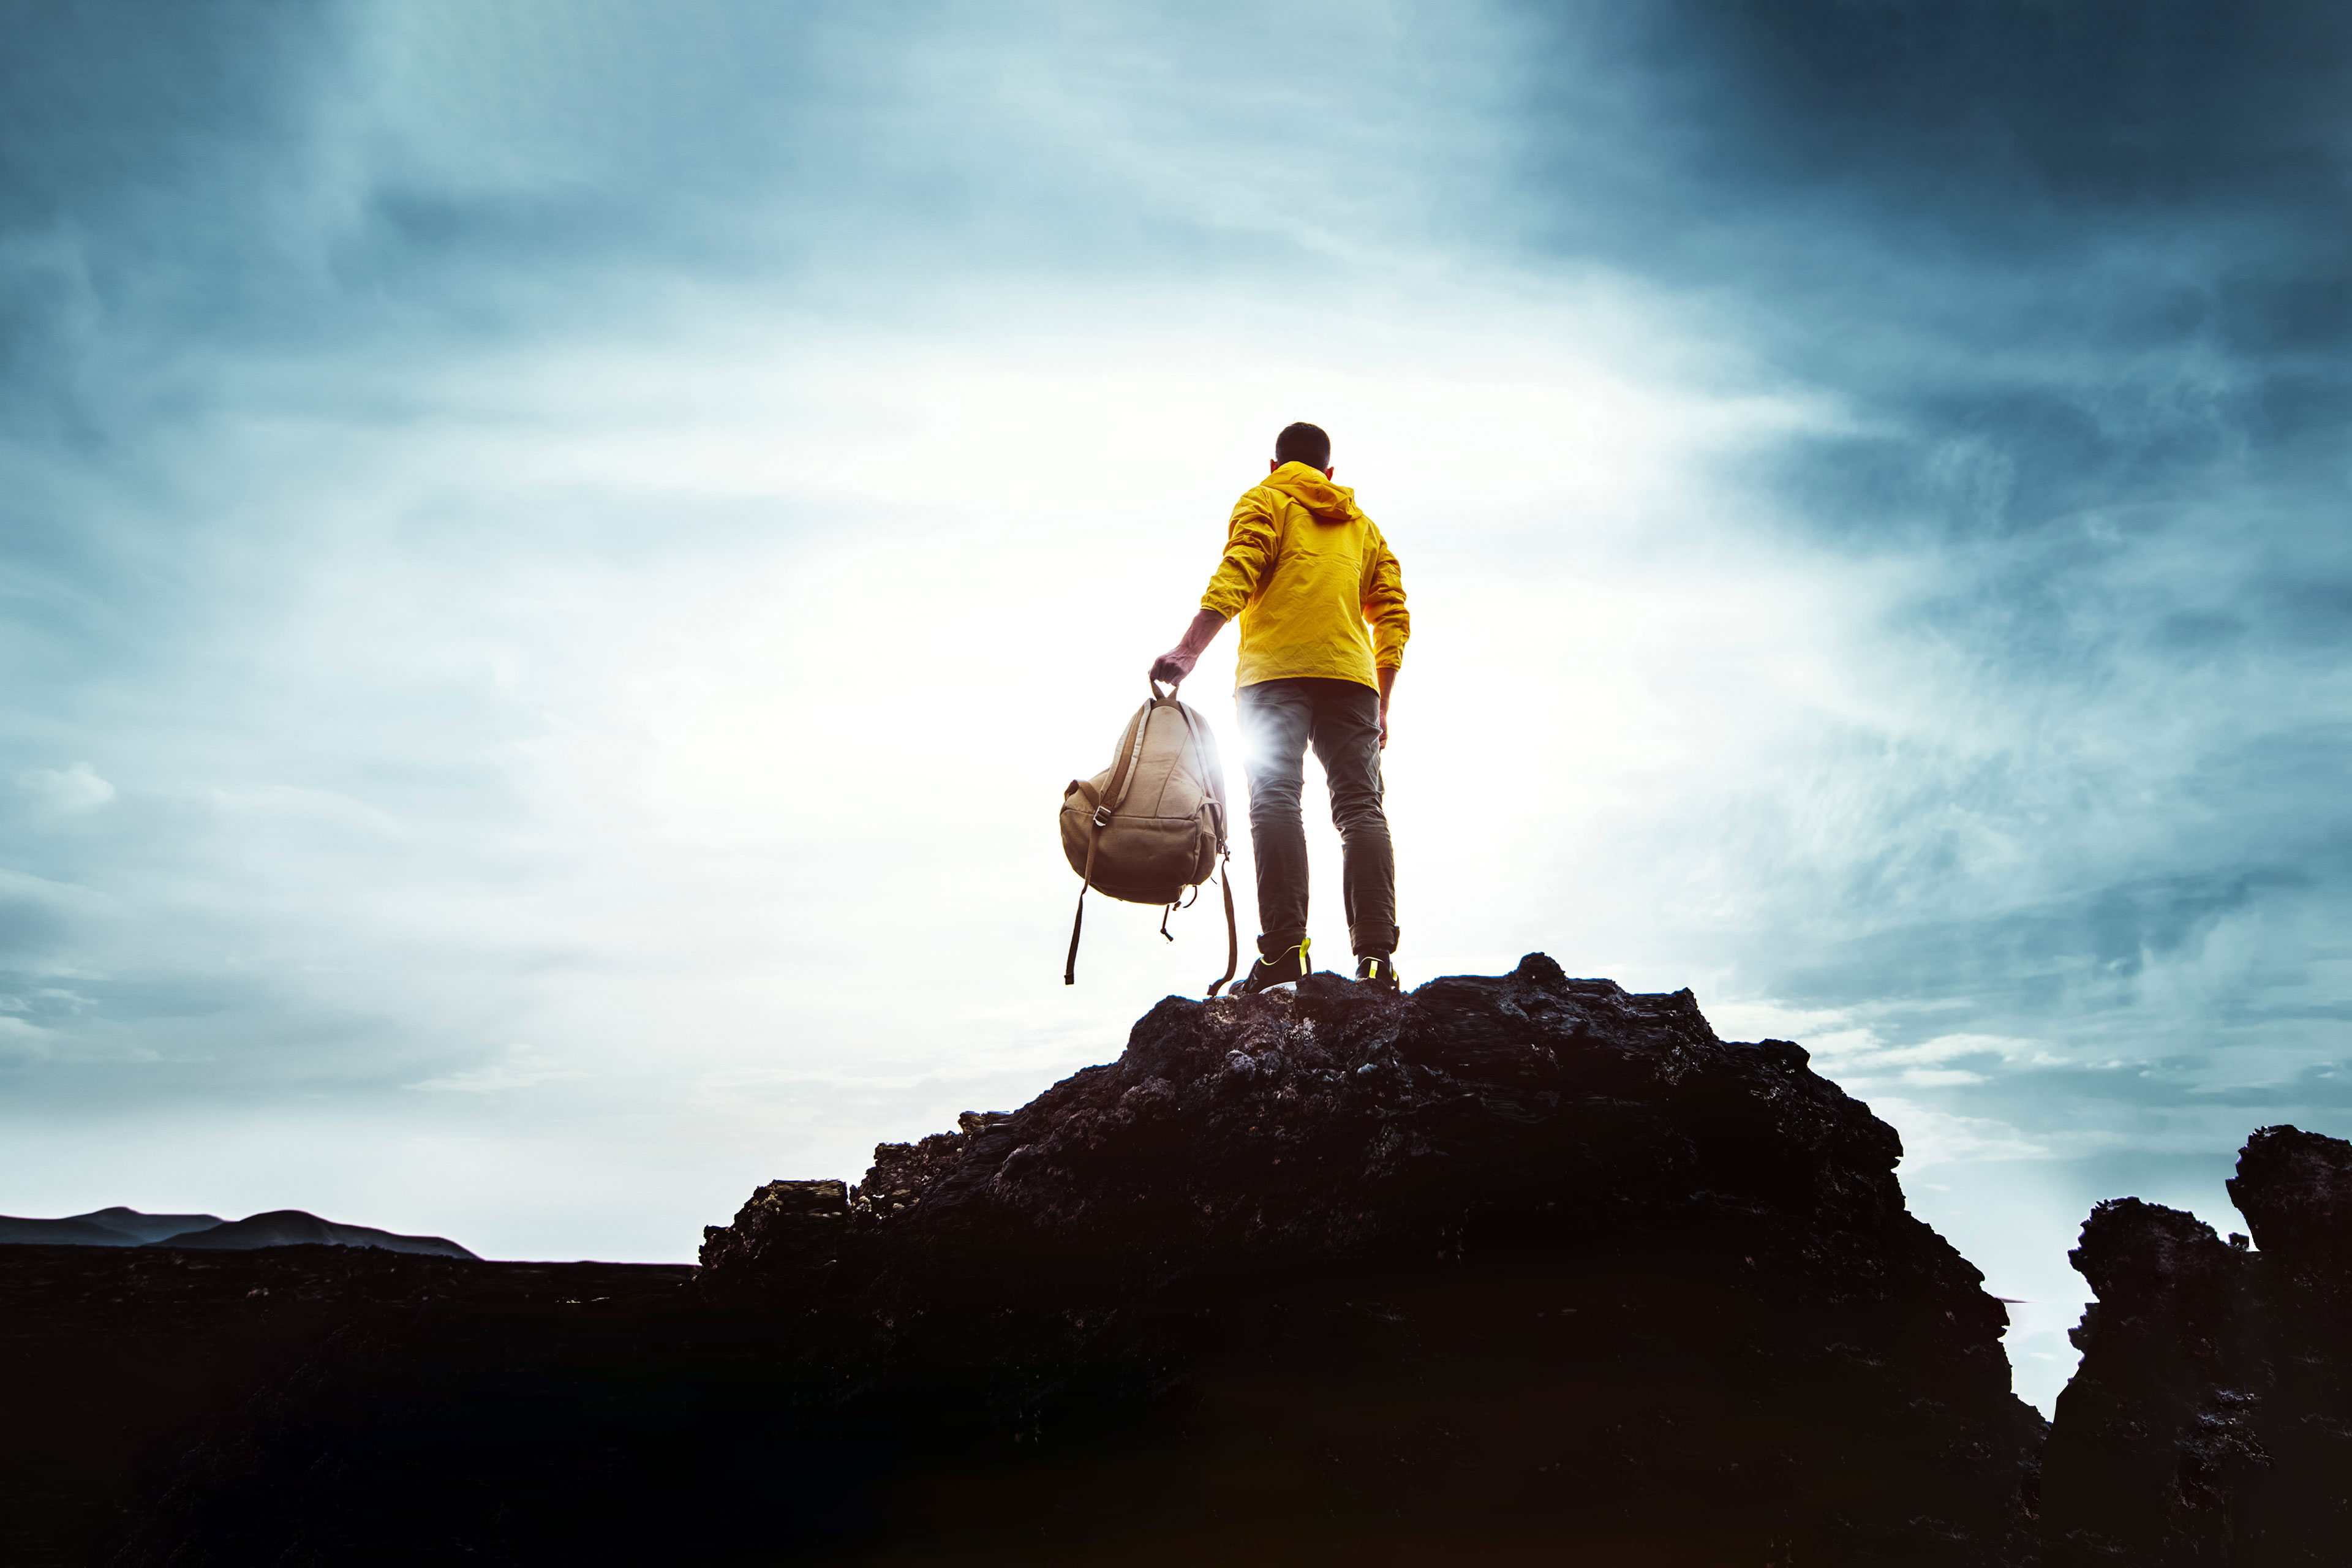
x=1323 y=630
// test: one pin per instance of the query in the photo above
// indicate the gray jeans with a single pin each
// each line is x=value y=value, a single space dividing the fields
x=1341 y=719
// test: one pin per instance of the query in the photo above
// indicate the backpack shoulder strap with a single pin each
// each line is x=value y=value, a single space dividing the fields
x=1123 y=767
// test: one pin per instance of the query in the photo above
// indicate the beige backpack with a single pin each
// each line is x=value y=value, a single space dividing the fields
x=1151 y=825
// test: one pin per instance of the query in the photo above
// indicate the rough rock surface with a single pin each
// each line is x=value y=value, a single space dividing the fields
x=1571 y=1266
x=1510 y=1268
x=2210 y=1421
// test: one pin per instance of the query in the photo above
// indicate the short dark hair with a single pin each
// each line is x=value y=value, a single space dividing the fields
x=1303 y=443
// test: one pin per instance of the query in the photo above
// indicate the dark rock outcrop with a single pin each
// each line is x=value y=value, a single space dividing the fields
x=1510 y=1268
x=2210 y=1421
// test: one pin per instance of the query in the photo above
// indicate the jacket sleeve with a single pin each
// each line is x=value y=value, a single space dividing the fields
x=1384 y=608
x=1249 y=550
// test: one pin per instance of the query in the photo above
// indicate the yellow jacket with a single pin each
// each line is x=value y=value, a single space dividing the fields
x=1305 y=571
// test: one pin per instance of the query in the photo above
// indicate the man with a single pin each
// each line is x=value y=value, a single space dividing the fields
x=1321 y=604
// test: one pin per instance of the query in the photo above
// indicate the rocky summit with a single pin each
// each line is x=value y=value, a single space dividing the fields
x=1515 y=1268
x=1514 y=1265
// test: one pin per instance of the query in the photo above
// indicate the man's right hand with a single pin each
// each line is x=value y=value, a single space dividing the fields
x=1177 y=662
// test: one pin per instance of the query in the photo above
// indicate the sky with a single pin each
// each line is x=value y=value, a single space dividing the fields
x=556 y=558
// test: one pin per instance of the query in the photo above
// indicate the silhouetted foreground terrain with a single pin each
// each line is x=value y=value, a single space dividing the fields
x=1512 y=1268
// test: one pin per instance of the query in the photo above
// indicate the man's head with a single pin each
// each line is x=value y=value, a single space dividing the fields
x=1303 y=443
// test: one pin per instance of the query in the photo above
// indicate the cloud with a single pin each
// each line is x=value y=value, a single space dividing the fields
x=1932 y=1137
x=73 y=789
x=22 y=1040
x=518 y=1066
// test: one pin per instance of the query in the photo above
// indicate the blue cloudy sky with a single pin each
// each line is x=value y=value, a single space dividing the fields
x=557 y=555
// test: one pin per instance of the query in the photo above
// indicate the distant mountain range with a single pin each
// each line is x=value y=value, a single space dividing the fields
x=278 y=1228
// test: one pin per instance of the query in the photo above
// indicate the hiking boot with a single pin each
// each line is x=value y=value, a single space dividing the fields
x=1287 y=967
x=1375 y=969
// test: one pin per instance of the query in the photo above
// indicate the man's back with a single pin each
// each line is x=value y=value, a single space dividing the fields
x=1305 y=571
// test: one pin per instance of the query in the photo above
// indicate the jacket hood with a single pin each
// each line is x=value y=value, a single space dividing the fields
x=1327 y=502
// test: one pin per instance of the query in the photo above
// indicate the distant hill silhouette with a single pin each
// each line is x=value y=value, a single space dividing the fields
x=294 y=1227
x=115 y=1227
x=146 y=1227
x=279 y=1228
